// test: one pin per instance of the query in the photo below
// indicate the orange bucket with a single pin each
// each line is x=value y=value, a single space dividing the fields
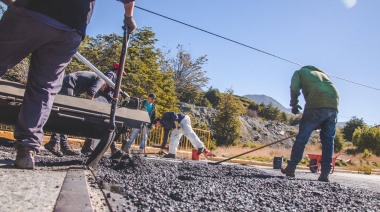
x=195 y=155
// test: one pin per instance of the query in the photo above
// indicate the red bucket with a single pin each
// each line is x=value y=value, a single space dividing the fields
x=195 y=155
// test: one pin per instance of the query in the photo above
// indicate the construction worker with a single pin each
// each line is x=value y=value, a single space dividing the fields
x=51 y=32
x=149 y=106
x=74 y=84
x=104 y=94
x=321 y=110
x=180 y=124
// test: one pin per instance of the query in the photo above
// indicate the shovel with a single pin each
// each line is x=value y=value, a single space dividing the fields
x=270 y=144
x=109 y=136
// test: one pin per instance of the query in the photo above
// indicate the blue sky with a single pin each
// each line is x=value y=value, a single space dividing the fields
x=325 y=33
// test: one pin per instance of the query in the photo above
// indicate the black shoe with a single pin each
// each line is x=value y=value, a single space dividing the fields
x=169 y=155
x=200 y=150
x=324 y=178
x=53 y=148
x=288 y=172
x=118 y=154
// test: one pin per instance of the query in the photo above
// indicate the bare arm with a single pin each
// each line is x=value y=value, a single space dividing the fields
x=8 y=2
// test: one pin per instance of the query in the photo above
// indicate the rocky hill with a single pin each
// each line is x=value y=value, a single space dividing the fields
x=252 y=129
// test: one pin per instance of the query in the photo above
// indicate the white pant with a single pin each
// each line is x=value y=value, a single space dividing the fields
x=186 y=130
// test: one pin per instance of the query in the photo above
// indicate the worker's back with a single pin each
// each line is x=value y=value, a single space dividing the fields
x=318 y=90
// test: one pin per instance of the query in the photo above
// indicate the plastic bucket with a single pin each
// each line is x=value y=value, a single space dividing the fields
x=277 y=162
x=195 y=155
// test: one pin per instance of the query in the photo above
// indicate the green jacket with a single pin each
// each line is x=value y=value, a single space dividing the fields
x=317 y=89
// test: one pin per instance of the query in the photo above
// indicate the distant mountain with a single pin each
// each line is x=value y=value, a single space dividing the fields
x=340 y=124
x=267 y=100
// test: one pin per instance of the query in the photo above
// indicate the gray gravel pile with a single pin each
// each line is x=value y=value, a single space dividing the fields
x=161 y=185
x=164 y=185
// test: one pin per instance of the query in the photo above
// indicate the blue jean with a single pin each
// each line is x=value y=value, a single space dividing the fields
x=325 y=118
x=135 y=132
x=51 y=49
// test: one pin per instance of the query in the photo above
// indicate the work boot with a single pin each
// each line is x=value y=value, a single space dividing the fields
x=118 y=154
x=288 y=172
x=141 y=151
x=324 y=177
x=200 y=150
x=68 y=150
x=169 y=155
x=86 y=148
x=53 y=147
x=25 y=158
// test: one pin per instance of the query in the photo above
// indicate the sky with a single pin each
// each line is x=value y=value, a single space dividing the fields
x=341 y=37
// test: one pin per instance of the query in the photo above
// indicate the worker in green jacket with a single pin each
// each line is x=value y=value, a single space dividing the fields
x=321 y=110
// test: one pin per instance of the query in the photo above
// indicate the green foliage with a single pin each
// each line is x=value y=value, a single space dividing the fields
x=338 y=141
x=295 y=120
x=213 y=95
x=227 y=125
x=351 y=126
x=142 y=66
x=366 y=154
x=367 y=138
x=269 y=112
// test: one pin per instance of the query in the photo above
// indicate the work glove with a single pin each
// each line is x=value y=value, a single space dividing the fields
x=296 y=109
x=130 y=23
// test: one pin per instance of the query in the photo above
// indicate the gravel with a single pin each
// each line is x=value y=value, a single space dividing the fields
x=155 y=184
x=162 y=185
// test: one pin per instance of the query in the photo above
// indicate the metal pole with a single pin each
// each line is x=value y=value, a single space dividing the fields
x=99 y=73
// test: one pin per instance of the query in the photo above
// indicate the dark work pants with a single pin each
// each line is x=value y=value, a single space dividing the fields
x=325 y=118
x=52 y=50
x=56 y=137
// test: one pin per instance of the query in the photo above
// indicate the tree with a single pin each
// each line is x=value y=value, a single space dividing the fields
x=226 y=126
x=284 y=117
x=189 y=76
x=351 y=126
x=213 y=96
x=338 y=141
x=142 y=66
x=367 y=138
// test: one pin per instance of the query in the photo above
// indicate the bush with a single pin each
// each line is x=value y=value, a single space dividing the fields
x=351 y=126
x=338 y=141
x=367 y=138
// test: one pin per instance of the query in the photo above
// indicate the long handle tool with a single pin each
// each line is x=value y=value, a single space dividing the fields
x=270 y=144
x=96 y=70
x=108 y=138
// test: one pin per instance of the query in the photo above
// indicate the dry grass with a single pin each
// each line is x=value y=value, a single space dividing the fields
x=356 y=162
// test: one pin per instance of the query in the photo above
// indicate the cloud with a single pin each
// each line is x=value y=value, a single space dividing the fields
x=349 y=3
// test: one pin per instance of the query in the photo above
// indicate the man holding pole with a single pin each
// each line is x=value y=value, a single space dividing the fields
x=51 y=31
x=321 y=111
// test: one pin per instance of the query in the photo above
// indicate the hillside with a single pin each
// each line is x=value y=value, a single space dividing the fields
x=252 y=130
x=267 y=100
